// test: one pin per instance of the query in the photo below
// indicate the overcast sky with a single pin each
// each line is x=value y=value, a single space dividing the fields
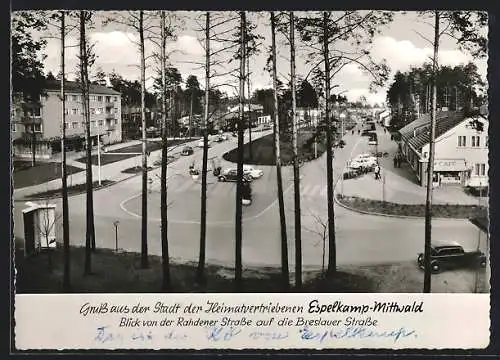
x=399 y=43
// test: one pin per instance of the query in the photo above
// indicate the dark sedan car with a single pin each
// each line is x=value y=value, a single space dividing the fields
x=188 y=150
x=448 y=255
x=232 y=175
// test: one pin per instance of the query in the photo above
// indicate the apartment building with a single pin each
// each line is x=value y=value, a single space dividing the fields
x=461 y=151
x=36 y=126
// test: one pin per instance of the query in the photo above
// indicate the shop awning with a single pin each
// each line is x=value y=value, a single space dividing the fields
x=449 y=165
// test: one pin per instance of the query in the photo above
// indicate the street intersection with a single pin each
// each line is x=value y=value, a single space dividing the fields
x=361 y=239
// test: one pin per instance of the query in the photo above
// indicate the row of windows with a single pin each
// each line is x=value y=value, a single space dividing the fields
x=98 y=98
x=93 y=111
x=28 y=128
x=475 y=141
x=100 y=123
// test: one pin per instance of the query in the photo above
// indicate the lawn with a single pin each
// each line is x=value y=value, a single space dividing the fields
x=151 y=146
x=43 y=172
x=72 y=190
x=263 y=150
x=121 y=273
x=417 y=210
x=106 y=159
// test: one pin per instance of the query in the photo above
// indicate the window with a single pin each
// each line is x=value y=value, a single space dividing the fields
x=115 y=99
x=13 y=127
x=100 y=111
x=92 y=98
x=74 y=124
x=108 y=99
x=116 y=121
x=83 y=123
x=101 y=122
x=480 y=169
x=74 y=98
x=462 y=141
x=92 y=123
x=92 y=111
x=486 y=143
x=475 y=141
x=37 y=128
x=99 y=98
x=66 y=111
x=66 y=125
x=65 y=97
x=74 y=111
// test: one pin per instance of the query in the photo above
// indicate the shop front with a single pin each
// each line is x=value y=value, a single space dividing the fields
x=446 y=172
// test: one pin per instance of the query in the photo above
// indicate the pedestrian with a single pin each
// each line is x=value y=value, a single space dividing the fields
x=395 y=160
x=377 y=172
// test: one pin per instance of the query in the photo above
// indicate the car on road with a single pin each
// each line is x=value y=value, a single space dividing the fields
x=218 y=138
x=450 y=255
x=188 y=150
x=232 y=175
x=351 y=173
x=266 y=127
x=201 y=144
x=253 y=172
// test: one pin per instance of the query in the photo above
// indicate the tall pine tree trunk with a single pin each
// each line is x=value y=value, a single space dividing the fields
x=296 y=172
x=144 y=225
x=191 y=113
x=89 y=234
x=64 y=172
x=239 y=185
x=430 y=164
x=164 y=161
x=203 y=214
x=277 y=154
x=332 y=250
x=249 y=112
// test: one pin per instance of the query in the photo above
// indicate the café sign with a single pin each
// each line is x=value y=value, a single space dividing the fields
x=449 y=165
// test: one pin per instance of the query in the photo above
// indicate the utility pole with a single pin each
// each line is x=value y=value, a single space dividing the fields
x=430 y=165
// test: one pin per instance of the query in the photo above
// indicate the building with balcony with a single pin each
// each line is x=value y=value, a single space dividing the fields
x=36 y=126
x=461 y=149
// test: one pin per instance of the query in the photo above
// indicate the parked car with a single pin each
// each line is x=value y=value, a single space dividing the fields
x=188 y=150
x=372 y=141
x=232 y=175
x=266 y=127
x=218 y=138
x=201 y=144
x=351 y=173
x=253 y=172
x=450 y=255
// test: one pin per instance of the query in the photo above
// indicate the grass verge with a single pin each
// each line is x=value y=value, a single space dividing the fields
x=263 y=150
x=24 y=175
x=121 y=273
x=417 y=210
x=72 y=190
x=135 y=170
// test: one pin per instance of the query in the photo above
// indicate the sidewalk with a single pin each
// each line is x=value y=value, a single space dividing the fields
x=111 y=171
x=399 y=185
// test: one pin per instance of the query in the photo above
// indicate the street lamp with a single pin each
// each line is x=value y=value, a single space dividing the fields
x=98 y=154
x=115 y=223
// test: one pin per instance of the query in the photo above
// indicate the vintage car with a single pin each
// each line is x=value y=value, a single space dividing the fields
x=450 y=255
x=253 y=172
x=232 y=175
x=188 y=150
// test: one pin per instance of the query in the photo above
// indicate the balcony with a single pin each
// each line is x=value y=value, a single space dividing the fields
x=110 y=105
x=109 y=116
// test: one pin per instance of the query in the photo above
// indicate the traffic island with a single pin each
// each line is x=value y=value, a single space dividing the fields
x=377 y=207
x=262 y=149
x=72 y=190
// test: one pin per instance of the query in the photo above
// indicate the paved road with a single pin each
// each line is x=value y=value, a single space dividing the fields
x=361 y=239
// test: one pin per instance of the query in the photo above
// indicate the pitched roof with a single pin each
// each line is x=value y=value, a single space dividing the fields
x=73 y=86
x=417 y=132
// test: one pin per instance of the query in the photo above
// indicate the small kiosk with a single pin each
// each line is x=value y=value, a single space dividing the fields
x=39 y=227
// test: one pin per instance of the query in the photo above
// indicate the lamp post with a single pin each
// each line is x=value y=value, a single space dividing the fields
x=115 y=223
x=98 y=154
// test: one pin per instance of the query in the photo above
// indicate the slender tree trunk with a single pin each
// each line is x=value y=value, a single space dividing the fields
x=430 y=165
x=296 y=173
x=191 y=113
x=249 y=112
x=164 y=160
x=332 y=250
x=144 y=232
x=281 y=202
x=238 y=226
x=33 y=144
x=203 y=215
x=64 y=173
x=86 y=113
